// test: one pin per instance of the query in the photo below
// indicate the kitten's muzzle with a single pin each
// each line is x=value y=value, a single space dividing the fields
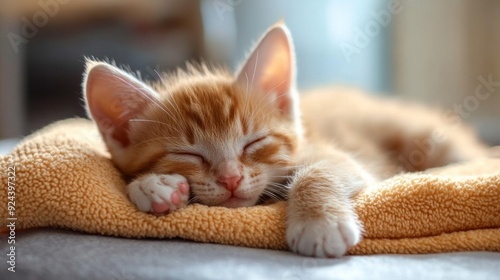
x=230 y=183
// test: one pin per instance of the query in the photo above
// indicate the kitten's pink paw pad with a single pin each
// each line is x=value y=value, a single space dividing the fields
x=159 y=193
x=175 y=197
x=160 y=207
x=324 y=239
x=184 y=187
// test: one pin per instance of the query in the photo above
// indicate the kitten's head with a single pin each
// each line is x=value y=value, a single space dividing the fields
x=233 y=137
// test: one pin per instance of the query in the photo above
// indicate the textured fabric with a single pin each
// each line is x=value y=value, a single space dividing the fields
x=65 y=178
x=49 y=254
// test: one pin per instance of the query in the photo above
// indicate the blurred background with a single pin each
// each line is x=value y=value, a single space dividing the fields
x=441 y=53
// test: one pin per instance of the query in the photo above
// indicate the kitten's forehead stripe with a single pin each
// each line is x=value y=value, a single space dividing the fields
x=231 y=109
x=196 y=116
x=189 y=132
x=212 y=109
x=243 y=124
x=285 y=140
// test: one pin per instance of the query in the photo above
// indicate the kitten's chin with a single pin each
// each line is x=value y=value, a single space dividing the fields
x=235 y=202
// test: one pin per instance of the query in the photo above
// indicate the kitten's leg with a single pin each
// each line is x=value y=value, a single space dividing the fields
x=159 y=193
x=421 y=152
x=423 y=139
x=321 y=221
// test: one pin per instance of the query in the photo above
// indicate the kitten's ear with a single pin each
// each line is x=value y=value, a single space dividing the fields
x=270 y=69
x=112 y=98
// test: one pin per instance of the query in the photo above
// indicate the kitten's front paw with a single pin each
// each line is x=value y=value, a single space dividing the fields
x=323 y=238
x=159 y=193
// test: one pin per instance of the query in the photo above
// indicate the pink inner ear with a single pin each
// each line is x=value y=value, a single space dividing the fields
x=270 y=68
x=113 y=98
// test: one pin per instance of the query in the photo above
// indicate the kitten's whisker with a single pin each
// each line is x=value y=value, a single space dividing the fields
x=288 y=167
x=152 y=98
x=259 y=110
x=164 y=83
x=286 y=177
x=274 y=196
x=277 y=197
x=278 y=191
x=175 y=108
x=192 y=200
x=281 y=176
x=271 y=195
x=275 y=88
x=264 y=98
x=162 y=79
x=278 y=185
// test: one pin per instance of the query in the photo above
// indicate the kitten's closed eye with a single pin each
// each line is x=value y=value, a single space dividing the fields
x=251 y=145
x=189 y=156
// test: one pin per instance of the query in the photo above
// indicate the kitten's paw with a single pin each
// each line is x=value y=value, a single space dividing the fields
x=323 y=238
x=159 y=193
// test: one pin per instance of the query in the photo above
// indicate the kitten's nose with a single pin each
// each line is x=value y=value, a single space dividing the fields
x=230 y=183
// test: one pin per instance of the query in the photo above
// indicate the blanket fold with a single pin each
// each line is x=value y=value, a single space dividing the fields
x=64 y=178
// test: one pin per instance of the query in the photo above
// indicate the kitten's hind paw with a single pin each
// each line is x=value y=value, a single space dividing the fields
x=159 y=194
x=323 y=238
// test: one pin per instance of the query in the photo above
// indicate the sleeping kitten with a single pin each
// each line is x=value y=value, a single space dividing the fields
x=207 y=136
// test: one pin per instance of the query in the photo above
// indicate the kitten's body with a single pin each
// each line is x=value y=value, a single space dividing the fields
x=229 y=141
x=387 y=136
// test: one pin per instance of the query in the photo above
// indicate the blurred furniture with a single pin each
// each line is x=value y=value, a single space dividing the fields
x=7 y=145
x=444 y=50
x=41 y=81
x=321 y=30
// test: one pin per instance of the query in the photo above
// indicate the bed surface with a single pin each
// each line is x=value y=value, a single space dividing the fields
x=61 y=254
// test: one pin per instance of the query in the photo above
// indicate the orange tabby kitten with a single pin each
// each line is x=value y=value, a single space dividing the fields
x=217 y=139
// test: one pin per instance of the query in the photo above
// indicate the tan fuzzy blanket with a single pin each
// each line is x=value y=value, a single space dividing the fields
x=64 y=178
